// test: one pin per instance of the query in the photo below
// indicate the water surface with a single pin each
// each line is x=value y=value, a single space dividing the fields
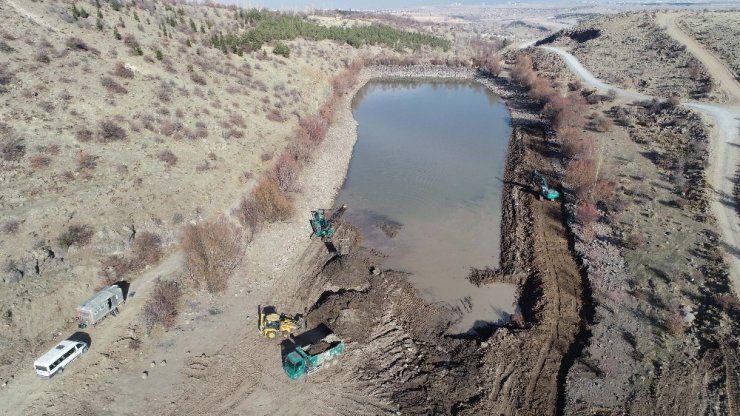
x=424 y=186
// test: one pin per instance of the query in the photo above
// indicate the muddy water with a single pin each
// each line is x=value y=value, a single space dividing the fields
x=424 y=185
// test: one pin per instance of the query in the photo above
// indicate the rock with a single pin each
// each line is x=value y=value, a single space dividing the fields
x=153 y=364
x=144 y=375
x=163 y=363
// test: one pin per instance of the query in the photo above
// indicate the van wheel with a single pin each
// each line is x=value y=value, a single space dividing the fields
x=61 y=370
x=84 y=349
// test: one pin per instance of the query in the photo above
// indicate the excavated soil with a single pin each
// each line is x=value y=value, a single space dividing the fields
x=402 y=351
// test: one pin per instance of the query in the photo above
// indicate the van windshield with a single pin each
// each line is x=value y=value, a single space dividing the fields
x=40 y=368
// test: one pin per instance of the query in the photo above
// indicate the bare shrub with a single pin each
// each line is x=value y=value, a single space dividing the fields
x=564 y=111
x=586 y=213
x=147 y=248
x=86 y=161
x=603 y=123
x=541 y=89
x=197 y=78
x=84 y=135
x=248 y=214
x=635 y=241
x=76 y=43
x=121 y=70
x=728 y=302
x=213 y=249
x=522 y=71
x=315 y=127
x=581 y=175
x=238 y=120
x=114 y=269
x=109 y=131
x=10 y=227
x=675 y=325
x=285 y=172
x=493 y=65
x=162 y=307
x=39 y=161
x=112 y=86
x=272 y=204
x=300 y=148
x=12 y=146
x=570 y=141
x=6 y=77
x=76 y=235
x=168 y=157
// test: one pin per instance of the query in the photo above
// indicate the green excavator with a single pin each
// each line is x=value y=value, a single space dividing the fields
x=322 y=226
x=544 y=191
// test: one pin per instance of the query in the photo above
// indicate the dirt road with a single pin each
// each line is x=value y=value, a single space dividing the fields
x=724 y=152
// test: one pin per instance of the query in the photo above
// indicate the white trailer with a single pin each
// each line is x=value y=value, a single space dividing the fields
x=99 y=306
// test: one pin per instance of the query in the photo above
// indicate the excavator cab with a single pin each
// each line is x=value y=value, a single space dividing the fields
x=544 y=190
x=320 y=224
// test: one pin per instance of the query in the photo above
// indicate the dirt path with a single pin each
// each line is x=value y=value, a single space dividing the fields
x=719 y=72
x=724 y=158
x=39 y=20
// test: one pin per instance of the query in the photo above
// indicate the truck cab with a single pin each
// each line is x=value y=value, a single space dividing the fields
x=294 y=366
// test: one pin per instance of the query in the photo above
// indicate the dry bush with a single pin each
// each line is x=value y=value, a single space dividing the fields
x=10 y=227
x=147 y=248
x=121 y=70
x=271 y=202
x=12 y=145
x=76 y=43
x=86 y=161
x=112 y=86
x=635 y=241
x=522 y=71
x=213 y=249
x=162 y=307
x=197 y=78
x=115 y=269
x=84 y=135
x=541 y=90
x=238 y=120
x=39 y=161
x=276 y=115
x=315 y=127
x=570 y=141
x=575 y=85
x=728 y=302
x=586 y=213
x=109 y=131
x=675 y=325
x=581 y=175
x=285 y=172
x=493 y=65
x=565 y=111
x=76 y=235
x=603 y=123
x=6 y=77
x=300 y=148
x=248 y=214
x=167 y=157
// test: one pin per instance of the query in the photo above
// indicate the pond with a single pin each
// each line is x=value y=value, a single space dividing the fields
x=425 y=185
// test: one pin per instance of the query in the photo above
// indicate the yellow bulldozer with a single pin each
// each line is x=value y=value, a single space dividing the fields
x=272 y=323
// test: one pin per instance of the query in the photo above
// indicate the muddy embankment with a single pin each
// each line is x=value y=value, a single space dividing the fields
x=400 y=344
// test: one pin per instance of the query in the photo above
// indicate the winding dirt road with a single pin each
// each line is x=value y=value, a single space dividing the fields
x=724 y=148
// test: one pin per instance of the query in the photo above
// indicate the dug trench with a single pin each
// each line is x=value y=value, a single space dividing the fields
x=406 y=357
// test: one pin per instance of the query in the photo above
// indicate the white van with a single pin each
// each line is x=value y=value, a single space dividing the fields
x=54 y=361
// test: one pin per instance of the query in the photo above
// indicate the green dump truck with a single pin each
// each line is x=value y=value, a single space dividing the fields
x=312 y=352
